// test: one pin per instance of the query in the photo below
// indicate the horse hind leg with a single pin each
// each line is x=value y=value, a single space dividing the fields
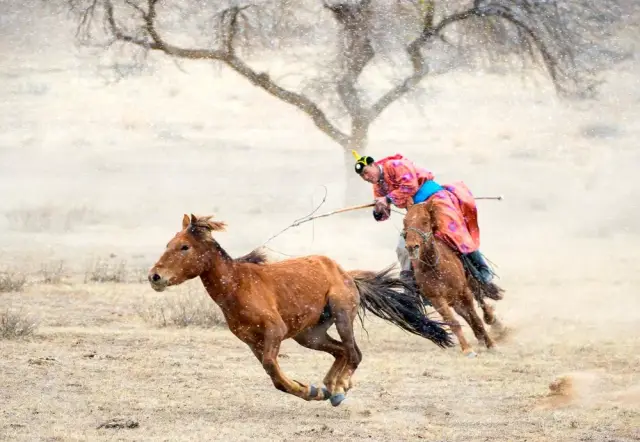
x=317 y=338
x=344 y=311
x=474 y=320
x=488 y=312
x=464 y=314
x=498 y=329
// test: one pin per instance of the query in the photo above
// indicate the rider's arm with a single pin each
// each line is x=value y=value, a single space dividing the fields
x=404 y=178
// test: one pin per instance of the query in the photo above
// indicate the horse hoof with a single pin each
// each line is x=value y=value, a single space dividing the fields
x=471 y=354
x=318 y=394
x=337 y=399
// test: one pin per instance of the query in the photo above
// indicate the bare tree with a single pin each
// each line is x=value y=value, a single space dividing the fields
x=404 y=34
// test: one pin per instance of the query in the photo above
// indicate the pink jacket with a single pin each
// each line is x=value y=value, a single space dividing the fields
x=401 y=179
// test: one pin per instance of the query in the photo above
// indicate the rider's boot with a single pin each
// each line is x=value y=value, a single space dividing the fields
x=484 y=272
x=407 y=274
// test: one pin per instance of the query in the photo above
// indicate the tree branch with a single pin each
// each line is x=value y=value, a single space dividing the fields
x=561 y=37
x=420 y=69
x=357 y=52
x=528 y=32
x=550 y=63
x=119 y=34
x=227 y=56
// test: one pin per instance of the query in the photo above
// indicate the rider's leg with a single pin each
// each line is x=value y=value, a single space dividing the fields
x=403 y=258
x=406 y=269
x=481 y=265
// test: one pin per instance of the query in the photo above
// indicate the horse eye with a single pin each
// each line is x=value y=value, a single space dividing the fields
x=184 y=247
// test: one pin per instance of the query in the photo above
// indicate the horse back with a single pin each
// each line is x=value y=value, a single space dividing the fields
x=296 y=289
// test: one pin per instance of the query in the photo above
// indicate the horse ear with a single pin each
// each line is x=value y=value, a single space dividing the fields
x=185 y=221
x=194 y=219
x=410 y=202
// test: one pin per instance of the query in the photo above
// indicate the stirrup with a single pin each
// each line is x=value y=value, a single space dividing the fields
x=407 y=273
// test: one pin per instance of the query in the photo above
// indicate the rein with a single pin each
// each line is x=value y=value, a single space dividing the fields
x=425 y=236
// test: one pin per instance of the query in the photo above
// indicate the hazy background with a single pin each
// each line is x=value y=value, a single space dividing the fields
x=95 y=167
x=95 y=170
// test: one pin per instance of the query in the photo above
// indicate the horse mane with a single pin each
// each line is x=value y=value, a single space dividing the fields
x=202 y=227
x=205 y=223
x=257 y=256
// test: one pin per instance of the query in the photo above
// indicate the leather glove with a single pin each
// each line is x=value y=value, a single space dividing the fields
x=378 y=216
x=381 y=211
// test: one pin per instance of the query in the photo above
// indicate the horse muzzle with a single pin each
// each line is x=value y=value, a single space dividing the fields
x=414 y=251
x=157 y=281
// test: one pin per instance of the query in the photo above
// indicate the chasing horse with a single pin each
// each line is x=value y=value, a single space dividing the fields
x=438 y=247
x=265 y=303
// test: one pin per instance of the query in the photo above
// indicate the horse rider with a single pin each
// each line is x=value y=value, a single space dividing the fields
x=396 y=179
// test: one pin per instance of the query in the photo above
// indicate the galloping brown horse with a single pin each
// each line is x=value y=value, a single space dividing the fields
x=300 y=298
x=440 y=273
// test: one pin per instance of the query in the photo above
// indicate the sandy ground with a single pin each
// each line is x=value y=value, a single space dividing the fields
x=92 y=171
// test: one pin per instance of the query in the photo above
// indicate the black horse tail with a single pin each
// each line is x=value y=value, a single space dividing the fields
x=396 y=300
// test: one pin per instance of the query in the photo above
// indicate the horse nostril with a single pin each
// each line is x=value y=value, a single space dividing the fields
x=155 y=277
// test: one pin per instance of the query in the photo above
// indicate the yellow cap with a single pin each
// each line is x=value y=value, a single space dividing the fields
x=359 y=159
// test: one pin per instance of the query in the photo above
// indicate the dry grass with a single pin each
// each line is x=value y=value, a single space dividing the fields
x=190 y=309
x=100 y=270
x=51 y=218
x=16 y=324
x=160 y=380
x=103 y=270
x=11 y=281
x=53 y=272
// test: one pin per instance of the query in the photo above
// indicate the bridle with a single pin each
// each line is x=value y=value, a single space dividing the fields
x=426 y=237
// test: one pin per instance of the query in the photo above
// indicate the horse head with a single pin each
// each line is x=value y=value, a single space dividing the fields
x=189 y=253
x=417 y=228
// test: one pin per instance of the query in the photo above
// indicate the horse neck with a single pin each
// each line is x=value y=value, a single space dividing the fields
x=219 y=279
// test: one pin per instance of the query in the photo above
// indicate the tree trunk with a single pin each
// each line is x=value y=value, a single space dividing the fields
x=357 y=191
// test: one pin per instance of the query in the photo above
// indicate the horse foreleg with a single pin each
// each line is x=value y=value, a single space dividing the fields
x=443 y=309
x=266 y=350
